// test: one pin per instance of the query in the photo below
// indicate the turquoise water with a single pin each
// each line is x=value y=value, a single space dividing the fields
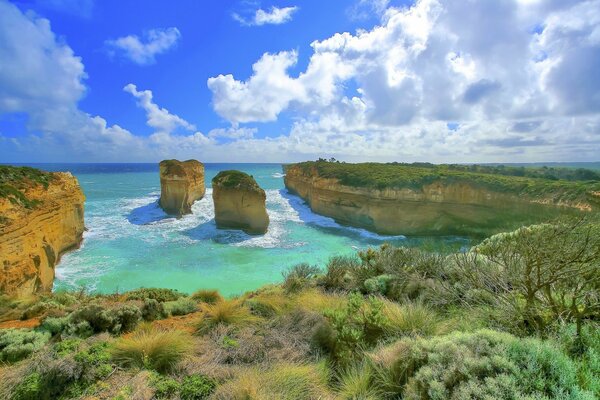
x=131 y=243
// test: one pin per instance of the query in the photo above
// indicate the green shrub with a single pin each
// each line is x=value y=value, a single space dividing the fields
x=299 y=276
x=17 y=344
x=150 y=348
x=30 y=388
x=67 y=346
x=378 y=284
x=348 y=331
x=153 y=310
x=54 y=325
x=164 y=386
x=196 y=387
x=96 y=318
x=338 y=275
x=181 y=306
x=210 y=296
x=160 y=295
x=484 y=364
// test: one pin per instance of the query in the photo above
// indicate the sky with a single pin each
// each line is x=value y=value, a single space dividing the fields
x=282 y=81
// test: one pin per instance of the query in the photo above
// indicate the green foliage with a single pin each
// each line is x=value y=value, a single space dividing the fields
x=67 y=346
x=357 y=382
x=196 y=387
x=17 y=344
x=298 y=277
x=160 y=295
x=95 y=318
x=484 y=364
x=164 y=386
x=29 y=388
x=352 y=329
x=339 y=273
x=181 y=306
x=235 y=179
x=54 y=325
x=210 y=296
x=153 y=349
x=14 y=181
x=153 y=310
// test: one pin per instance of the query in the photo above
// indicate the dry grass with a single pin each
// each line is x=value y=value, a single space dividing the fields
x=357 y=382
x=209 y=296
x=226 y=312
x=152 y=348
x=413 y=319
x=281 y=381
x=316 y=300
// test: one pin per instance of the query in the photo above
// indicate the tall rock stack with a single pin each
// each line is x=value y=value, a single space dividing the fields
x=239 y=202
x=181 y=184
x=41 y=217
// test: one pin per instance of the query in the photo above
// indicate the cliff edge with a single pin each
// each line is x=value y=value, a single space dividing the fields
x=41 y=217
x=405 y=199
x=239 y=203
x=181 y=184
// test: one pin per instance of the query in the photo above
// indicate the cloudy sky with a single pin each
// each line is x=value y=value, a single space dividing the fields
x=276 y=81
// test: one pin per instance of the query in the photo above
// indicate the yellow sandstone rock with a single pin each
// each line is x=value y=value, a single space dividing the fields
x=239 y=203
x=181 y=184
x=33 y=238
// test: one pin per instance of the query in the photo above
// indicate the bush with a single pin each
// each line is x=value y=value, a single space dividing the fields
x=339 y=273
x=209 y=296
x=181 y=306
x=196 y=387
x=484 y=364
x=153 y=310
x=282 y=382
x=160 y=295
x=298 y=277
x=17 y=344
x=164 y=387
x=54 y=325
x=348 y=331
x=226 y=312
x=149 y=348
x=96 y=318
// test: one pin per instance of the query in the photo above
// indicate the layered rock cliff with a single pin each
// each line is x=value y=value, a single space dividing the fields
x=41 y=217
x=181 y=184
x=430 y=206
x=239 y=203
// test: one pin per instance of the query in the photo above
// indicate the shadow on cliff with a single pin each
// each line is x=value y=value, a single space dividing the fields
x=209 y=231
x=330 y=226
x=147 y=214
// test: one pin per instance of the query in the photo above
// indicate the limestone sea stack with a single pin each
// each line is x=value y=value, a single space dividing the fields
x=181 y=184
x=41 y=217
x=239 y=202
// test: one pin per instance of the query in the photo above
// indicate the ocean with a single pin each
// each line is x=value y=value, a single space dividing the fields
x=131 y=243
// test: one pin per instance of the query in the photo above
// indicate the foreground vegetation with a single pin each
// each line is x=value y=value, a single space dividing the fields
x=14 y=181
x=559 y=184
x=515 y=317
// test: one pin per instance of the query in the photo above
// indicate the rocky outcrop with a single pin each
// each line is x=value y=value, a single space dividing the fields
x=37 y=225
x=239 y=203
x=434 y=208
x=181 y=184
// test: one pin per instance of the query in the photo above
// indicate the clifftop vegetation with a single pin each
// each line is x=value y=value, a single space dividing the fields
x=516 y=316
x=235 y=179
x=15 y=180
x=556 y=183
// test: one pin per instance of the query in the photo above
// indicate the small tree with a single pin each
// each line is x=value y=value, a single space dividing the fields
x=544 y=272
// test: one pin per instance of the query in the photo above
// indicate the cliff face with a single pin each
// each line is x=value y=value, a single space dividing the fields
x=181 y=184
x=239 y=203
x=436 y=208
x=33 y=239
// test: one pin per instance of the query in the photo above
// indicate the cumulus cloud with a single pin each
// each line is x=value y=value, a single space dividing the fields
x=274 y=16
x=143 y=51
x=490 y=67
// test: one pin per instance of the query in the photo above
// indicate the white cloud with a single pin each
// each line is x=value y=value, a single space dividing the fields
x=274 y=16
x=143 y=51
x=158 y=118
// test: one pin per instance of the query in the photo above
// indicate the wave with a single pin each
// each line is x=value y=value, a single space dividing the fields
x=277 y=175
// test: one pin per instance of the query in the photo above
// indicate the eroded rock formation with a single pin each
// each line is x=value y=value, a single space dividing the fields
x=181 y=184
x=434 y=208
x=36 y=227
x=239 y=202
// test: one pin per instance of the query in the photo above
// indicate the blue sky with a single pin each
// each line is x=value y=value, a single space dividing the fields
x=432 y=80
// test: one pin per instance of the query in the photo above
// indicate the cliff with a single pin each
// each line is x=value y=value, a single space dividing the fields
x=239 y=202
x=41 y=217
x=181 y=184
x=408 y=200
